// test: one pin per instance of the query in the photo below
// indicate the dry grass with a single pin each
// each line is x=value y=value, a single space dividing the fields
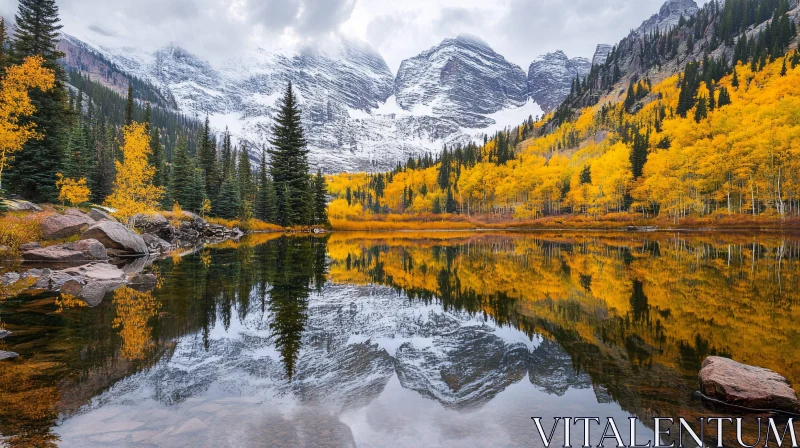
x=615 y=221
x=18 y=228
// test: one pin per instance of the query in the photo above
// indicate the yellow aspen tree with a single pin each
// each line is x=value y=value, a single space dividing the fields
x=134 y=191
x=16 y=104
x=73 y=191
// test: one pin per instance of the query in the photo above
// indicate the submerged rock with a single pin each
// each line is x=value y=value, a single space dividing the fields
x=62 y=226
x=4 y=333
x=747 y=386
x=155 y=244
x=117 y=238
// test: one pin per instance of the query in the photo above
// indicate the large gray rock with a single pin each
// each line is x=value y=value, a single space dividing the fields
x=116 y=237
x=741 y=385
x=91 y=282
x=155 y=244
x=79 y=251
x=21 y=206
x=100 y=215
x=4 y=333
x=55 y=227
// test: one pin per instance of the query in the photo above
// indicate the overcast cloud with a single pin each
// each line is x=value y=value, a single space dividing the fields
x=518 y=29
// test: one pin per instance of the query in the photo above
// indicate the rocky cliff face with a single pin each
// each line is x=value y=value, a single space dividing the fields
x=550 y=78
x=461 y=79
x=601 y=54
x=669 y=16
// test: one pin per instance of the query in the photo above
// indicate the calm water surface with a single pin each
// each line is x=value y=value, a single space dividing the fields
x=399 y=340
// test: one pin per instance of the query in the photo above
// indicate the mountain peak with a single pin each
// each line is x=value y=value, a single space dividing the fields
x=669 y=15
x=550 y=77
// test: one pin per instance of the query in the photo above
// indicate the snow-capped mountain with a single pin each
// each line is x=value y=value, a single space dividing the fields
x=357 y=115
x=462 y=79
x=550 y=77
x=669 y=16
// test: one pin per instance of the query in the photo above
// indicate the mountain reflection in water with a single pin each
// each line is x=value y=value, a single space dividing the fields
x=404 y=339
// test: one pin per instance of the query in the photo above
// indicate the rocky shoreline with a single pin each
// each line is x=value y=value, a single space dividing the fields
x=108 y=254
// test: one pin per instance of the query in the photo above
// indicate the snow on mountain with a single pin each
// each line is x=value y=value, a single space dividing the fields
x=357 y=115
x=669 y=16
x=550 y=78
x=461 y=79
x=601 y=54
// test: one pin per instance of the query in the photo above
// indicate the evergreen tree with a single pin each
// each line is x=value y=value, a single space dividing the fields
x=129 y=106
x=735 y=81
x=195 y=193
x=289 y=163
x=182 y=174
x=207 y=149
x=227 y=205
x=783 y=68
x=724 y=97
x=157 y=159
x=586 y=174
x=33 y=173
x=265 y=200
x=3 y=46
x=247 y=192
x=701 y=111
x=320 y=199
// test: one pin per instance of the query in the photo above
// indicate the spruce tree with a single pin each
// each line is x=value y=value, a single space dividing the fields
x=289 y=162
x=182 y=174
x=33 y=173
x=207 y=148
x=701 y=111
x=320 y=199
x=157 y=159
x=129 y=106
x=227 y=205
x=265 y=200
x=244 y=176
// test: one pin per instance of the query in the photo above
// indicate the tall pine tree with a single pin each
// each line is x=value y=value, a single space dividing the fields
x=33 y=173
x=289 y=164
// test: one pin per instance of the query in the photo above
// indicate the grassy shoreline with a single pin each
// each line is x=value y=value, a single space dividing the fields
x=617 y=222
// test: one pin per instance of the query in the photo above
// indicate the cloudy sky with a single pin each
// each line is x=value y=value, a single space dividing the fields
x=518 y=29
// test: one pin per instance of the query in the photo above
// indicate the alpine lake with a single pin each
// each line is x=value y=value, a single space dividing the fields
x=405 y=339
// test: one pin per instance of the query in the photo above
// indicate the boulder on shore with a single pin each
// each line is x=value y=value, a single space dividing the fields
x=100 y=215
x=117 y=238
x=16 y=205
x=79 y=251
x=747 y=386
x=91 y=282
x=55 y=227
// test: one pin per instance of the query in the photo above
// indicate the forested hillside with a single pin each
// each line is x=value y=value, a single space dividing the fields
x=70 y=137
x=717 y=137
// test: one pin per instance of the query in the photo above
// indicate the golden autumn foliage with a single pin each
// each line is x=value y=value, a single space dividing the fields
x=15 y=104
x=679 y=295
x=134 y=191
x=73 y=191
x=134 y=310
x=17 y=229
x=742 y=160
